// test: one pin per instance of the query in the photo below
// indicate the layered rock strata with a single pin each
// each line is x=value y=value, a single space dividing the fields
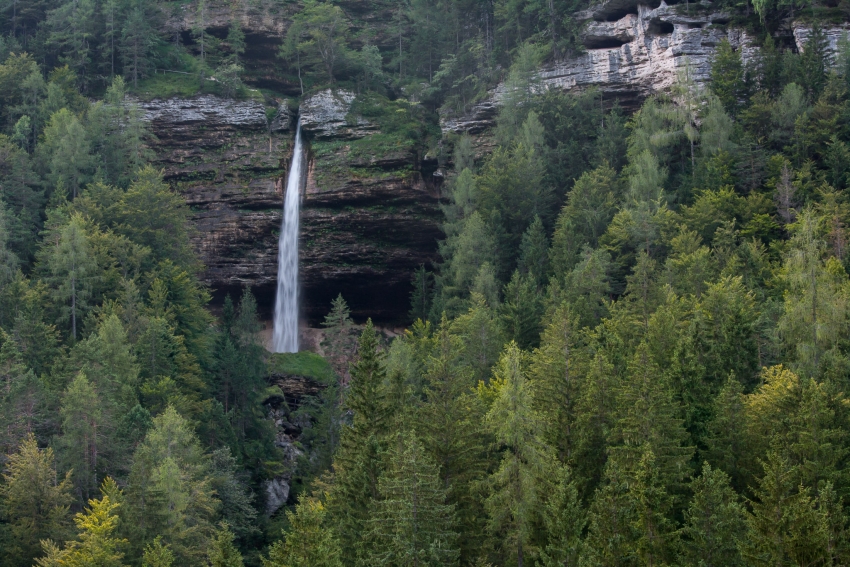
x=632 y=50
x=368 y=220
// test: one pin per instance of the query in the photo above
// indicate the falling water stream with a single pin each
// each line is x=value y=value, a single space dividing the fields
x=285 y=338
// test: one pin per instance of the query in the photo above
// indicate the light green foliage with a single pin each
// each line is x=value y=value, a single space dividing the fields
x=72 y=271
x=411 y=524
x=66 y=153
x=222 y=552
x=309 y=542
x=35 y=501
x=522 y=481
x=157 y=554
x=96 y=544
x=171 y=493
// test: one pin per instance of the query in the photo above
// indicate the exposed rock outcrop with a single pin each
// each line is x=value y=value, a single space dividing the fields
x=325 y=116
x=368 y=220
x=227 y=162
x=631 y=51
x=289 y=394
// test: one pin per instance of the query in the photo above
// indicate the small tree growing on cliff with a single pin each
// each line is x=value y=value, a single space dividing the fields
x=340 y=340
x=317 y=37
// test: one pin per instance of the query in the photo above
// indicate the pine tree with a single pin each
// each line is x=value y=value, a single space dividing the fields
x=727 y=438
x=72 y=270
x=138 y=40
x=714 y=522
x=421 y=296
x=520 y=484
x=96 y=545
x=557 y=378
x=647 y=421
x=533 y=257
x=727 y=77
x=157 y=554
x=652 y=501
x=66 y=151
x=170 y=492
x=411 y=523
x=610 y=534
x=340 y=342
x=522 y=310
x=815 y=304
x=84 y=434
x=309 y=542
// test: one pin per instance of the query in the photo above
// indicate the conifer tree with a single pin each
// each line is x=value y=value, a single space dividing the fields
x=170 y=492
x=785 y=525
x=411 y=524
x=96 y=544
x=557 y=378
x=727 y=77
x=357 y=464
x=72 y=269
x=647 y=421
x=521 y=483
x=223 y=552
x=447 y=423
x=610 y=534
x=522 y=310
x=340 y=342
x=714 y=522
x=84 y=434
x=309 y=542
x=35 y=501
x=564 y=519
x=157 y=554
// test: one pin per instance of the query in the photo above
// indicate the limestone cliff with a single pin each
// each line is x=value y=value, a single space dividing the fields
x=368 y=219
x=633 y=49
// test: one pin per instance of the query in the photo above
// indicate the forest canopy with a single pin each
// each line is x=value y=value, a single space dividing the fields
x=632 y=350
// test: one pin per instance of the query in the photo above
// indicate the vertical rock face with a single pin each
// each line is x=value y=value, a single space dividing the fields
x=368 y=219
x=227 y=161
x=633 y=50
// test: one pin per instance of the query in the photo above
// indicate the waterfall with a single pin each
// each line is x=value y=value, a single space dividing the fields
x=285 y=338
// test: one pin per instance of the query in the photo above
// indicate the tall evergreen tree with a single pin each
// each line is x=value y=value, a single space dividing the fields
x=522 y=481
x=411 y=524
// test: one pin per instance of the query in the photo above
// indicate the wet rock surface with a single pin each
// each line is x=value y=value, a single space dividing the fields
x=364 y=228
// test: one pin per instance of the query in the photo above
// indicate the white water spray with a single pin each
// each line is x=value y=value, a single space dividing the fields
x=285 y=338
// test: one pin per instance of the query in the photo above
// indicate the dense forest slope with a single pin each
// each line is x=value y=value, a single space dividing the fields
x=616 y=235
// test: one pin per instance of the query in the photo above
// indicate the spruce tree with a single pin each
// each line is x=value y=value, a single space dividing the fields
x=222 y=551
x=714 y=522
x=411 y=524
x=35 y=501
x=339 y=343
x=447 y=423
x=309 y=542
x=564 y=519
x=557 y=376
x=518 y=488
x=785 y=524
x=357 y=463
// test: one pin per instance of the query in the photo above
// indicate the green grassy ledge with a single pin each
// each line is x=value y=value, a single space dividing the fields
x=304 y=363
